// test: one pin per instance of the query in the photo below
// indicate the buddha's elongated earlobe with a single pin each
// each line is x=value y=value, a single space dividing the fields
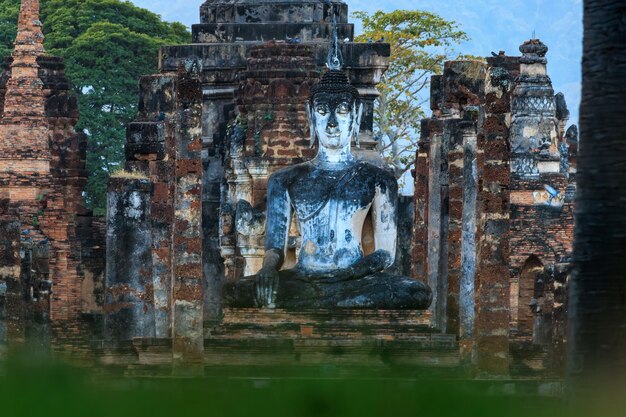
x=357 y=125
x=309 y=114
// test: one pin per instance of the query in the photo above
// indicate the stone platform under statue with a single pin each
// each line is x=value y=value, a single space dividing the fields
x=266 y=342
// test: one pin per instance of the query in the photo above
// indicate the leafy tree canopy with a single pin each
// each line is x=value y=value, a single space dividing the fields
x=420 y=43
x=107 y=45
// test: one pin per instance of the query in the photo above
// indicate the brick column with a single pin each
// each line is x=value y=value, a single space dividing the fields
x=129 y=308
x=437 y=223
x=188 y=343
x=419 y=267
x=42 y=165
x=492 y=275
x=455 y=221
x=12 y=326
x=150 y=149
x=468 y=243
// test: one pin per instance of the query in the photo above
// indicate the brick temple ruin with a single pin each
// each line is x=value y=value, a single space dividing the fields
x=51 y=251
x=491 y=230
x=495 y=179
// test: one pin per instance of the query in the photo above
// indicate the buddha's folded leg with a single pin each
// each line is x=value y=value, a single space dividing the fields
x=242 y=293
x=378 y=291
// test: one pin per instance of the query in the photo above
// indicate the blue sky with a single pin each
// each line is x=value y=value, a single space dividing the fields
x=492 y=25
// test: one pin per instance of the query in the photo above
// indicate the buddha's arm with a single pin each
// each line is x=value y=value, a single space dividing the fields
x=278 y=219
x=276 y=235
x=384 y=217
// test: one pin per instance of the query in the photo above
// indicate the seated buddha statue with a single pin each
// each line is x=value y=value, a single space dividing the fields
x=331 y=196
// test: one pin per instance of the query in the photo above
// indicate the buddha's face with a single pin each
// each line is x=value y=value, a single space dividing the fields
x=334 y=118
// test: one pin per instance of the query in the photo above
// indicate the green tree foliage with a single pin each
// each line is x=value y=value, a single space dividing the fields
x=9 y=9
x=107 y=45
x=420 y=43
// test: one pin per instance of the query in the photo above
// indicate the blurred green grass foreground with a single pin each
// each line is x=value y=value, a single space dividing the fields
x=34 y=386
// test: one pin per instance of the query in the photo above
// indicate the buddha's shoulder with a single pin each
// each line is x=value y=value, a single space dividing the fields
x=362 y=169
x=378 y=173
x=290 y=172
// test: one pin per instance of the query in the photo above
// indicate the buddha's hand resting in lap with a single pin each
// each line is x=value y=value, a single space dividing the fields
x=266 y=287
x=370 y=265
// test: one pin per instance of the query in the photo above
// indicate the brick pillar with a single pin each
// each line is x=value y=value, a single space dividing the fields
x=24 y=163
x=150 y=149
x=492 y=275
x=218 y=104
x=468 y=243
x=419 y=268
x=431 y=215
x=559 y=319
x=455 y=221
x=12 y=313
x=188 y=343
x=129 y=311
x=437 y=223
x=63 y=198
x=425 y=168
x=42 y=160
x=24 y=148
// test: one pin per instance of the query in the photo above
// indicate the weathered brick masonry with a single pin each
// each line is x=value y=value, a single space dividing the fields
x=154 y=282
x=271 y=132
x=253 y=118
x=492 y=235
x=253 y=121
x=42 y=172
x=253 y=94
x=493 y=222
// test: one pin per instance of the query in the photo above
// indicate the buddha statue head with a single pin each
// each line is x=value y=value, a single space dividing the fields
x=334 y=107
x=334 y=111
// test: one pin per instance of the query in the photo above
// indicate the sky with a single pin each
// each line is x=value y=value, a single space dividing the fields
x=492 y=25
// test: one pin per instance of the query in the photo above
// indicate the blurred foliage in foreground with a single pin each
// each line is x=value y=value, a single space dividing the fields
x=34 y=387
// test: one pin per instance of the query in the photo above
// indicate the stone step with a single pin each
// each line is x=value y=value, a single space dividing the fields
x=424 y=356
x=274 y=337
x=231 y=351
x=261 y=323
x=247 y=337
x=529 y=359
x=350 y=316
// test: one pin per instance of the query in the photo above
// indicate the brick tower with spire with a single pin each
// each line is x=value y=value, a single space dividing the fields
x=42 y=175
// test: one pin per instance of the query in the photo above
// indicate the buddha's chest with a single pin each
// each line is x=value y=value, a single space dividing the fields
x=331 y=198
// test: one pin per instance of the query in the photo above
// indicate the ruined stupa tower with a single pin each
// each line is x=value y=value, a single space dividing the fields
x=24 y=147
x=542 y=191
x=534 y=124
x=24 y=168
x=42 y=175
